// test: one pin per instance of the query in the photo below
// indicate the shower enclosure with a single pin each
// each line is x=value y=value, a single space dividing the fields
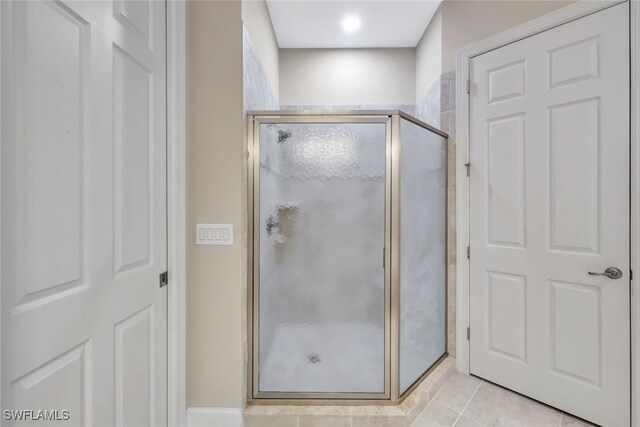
x=347 y=254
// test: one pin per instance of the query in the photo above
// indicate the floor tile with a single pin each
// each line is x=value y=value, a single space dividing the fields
x=495 y=407
x=378 y=421
x=466 y=422
x=269 y=421
x=309 y=421
x=457 y=392
x=436 y=415
x=570 y=421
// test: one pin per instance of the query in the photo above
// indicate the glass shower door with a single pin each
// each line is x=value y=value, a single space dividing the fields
x=321 y=232
x=423 y=213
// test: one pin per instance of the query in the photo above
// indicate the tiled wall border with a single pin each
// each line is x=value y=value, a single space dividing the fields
x=409 y=109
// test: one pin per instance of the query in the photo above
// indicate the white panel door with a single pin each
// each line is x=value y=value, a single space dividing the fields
x=549 y=202
x=83 y=207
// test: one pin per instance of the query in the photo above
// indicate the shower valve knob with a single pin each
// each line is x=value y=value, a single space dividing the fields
x=271 y=224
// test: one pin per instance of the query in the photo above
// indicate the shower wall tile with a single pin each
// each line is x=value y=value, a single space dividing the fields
x=451 y=78
x=438 y=99
x=428 y=108
x=448 y=124
x=445 y=124
x=257 y=92
x=445 y=90
x=409 y=109
x=437 y=107
x=451 y=332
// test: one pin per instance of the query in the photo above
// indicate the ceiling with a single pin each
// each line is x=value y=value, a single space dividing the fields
x=317 y=24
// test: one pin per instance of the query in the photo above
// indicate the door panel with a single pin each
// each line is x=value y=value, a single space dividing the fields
x=132 y=96
x=507 y=330
x=549 y=203
x=505 y=177
x=83 y=215
x=134 y=361
x=62 y=383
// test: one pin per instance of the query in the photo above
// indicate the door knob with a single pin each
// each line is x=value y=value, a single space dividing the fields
x=611 y=273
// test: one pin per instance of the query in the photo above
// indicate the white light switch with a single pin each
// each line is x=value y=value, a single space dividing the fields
x=214 y=234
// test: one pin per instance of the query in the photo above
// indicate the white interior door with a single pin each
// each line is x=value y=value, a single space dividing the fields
x=549 y=202
x=83 y=210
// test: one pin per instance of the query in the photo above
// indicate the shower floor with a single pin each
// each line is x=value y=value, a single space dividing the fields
x=348 y=358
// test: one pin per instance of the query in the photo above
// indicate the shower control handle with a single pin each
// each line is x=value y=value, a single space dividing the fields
x=611 y=273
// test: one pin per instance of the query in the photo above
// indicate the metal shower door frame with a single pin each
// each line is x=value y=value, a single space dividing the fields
x=391 y=120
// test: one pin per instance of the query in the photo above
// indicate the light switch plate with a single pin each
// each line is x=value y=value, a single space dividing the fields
x=214 y=234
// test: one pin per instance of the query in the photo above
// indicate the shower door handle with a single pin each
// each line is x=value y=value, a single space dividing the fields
x=611 y=273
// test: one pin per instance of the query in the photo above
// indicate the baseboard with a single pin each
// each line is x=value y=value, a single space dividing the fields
x=214 y=417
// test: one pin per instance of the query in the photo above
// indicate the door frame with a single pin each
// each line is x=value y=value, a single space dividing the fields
x=176 y=44
x=554 y=19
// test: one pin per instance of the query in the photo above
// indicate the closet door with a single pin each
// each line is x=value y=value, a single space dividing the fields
x=549 y=209
x=84 y=210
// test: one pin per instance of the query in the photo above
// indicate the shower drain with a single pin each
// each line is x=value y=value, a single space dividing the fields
x=314 y=358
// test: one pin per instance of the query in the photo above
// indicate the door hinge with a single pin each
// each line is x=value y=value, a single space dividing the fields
x=468 y=166
x=164 y=279
x=630 y=274
x=384 y=258
x=469 y=86
x=468 y=252
x=468 y=333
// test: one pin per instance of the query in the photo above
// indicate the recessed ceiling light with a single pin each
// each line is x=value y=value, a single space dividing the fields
x=350 y=23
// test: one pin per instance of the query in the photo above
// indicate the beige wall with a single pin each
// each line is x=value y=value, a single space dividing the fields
x=468 y=21
x=347 y=76
x=256 y=18
x=459 y=23
x=216 y=193
x=215 y=355
x=429 y=56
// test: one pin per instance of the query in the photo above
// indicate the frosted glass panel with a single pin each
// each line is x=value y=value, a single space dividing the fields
x=321 y=291
x=422 y=251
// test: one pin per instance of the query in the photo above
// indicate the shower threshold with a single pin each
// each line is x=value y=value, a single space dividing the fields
x=365 y=413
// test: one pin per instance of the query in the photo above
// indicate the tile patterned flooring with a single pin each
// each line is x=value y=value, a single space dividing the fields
x=466 y=401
